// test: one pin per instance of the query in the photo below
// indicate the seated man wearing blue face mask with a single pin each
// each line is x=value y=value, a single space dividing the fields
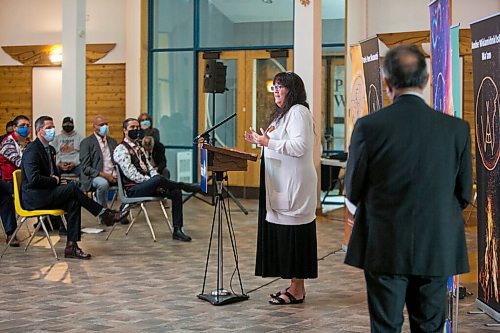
x=11 y=152
x=96 y=161
x=42 y=188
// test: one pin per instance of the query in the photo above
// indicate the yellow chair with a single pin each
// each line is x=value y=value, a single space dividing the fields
x=24 y=214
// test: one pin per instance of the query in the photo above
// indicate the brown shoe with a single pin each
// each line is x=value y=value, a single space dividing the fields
x=110 y=217
x=14 y=242
x=72 y=251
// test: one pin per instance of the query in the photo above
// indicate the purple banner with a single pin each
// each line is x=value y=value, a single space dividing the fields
x=441 y=56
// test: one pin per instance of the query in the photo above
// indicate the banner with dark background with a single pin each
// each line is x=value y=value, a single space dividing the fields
x=371 y=69
x=486 y=69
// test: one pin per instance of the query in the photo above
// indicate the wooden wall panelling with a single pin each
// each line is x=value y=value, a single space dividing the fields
x=15 y=93
x=106 y=95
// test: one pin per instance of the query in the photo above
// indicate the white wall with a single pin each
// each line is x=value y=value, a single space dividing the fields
x=47 y=89
x=30 y=22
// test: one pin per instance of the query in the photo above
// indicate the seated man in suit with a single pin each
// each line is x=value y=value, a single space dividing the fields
x=96 y=161
x=141 y=179
x=42 y=188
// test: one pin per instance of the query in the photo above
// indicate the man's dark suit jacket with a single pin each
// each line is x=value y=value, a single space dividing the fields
x=37 y=185
x=409 y=172
x=91 y=159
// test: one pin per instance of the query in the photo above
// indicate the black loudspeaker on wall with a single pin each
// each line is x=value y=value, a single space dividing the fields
x=215 y=77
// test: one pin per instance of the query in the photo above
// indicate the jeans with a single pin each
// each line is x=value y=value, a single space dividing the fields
x=101 y=187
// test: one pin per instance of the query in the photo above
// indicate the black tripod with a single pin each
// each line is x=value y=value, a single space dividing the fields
x=221 y=296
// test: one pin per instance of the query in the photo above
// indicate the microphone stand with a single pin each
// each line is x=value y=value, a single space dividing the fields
x=205 y=137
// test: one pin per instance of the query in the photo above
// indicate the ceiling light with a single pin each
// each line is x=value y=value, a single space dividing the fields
x=267 y=1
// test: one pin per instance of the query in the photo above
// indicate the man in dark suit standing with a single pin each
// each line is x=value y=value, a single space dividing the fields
x=42 y=188
x=96 y=160
x=409 y=174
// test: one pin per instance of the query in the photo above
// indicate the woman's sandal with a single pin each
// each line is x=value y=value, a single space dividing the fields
x=281 y=301
x=279 y=293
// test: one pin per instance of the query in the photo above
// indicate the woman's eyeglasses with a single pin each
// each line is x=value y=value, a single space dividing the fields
x=276 y=87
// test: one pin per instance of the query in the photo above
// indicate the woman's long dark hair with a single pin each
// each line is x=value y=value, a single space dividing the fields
x=296 y=94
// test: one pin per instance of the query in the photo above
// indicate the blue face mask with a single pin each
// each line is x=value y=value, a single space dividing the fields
x=50 y=134
x=146 y=123
x=103 y=130
x=23 y=131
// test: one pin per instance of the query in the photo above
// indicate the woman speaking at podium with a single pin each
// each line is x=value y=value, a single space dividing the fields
x=286 y=240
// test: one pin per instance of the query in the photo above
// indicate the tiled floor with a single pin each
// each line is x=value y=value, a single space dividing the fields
x=135 y=285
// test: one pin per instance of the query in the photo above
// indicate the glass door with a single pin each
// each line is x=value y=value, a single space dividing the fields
x=249 y=76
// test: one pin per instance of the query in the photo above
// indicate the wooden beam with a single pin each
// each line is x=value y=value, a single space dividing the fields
x=38 y=55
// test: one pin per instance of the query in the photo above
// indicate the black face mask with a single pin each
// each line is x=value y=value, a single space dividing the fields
x=134 y=134
x=68 y=128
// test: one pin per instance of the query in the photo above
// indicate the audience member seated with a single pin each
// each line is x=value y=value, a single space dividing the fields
x=42 y=188
x=141 y=179
x=67 y=145
x=11 y=151
x=12 y=147
x=96 y=161
x=155 y=152
x=9 y=128
x=147 y=128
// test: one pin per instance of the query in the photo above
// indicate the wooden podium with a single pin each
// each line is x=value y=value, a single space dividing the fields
x=223 y=159
x=220 y=160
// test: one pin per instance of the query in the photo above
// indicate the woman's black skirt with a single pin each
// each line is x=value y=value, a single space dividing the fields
x=286 y=251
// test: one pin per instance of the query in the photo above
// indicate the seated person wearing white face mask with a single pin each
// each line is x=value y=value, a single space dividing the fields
x=96 y=161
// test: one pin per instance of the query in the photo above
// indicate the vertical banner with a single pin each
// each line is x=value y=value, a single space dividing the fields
x=443 y=99
x=357 y=100
x=441 y=56
x=371 y=69
x=357 y=108
x=455 y=71
x=486 y=77
x=203 y=170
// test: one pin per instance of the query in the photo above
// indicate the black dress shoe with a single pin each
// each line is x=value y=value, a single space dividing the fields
x=72 y=251
x=178 y=234
x=14 y=242
x=190 y=188
x=110 y=217
x=125 y=220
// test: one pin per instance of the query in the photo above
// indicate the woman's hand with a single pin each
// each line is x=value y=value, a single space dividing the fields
x=256 y=138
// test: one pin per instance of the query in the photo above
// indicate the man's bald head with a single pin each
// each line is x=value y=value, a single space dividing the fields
x=98 y=122
x=405 y=67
